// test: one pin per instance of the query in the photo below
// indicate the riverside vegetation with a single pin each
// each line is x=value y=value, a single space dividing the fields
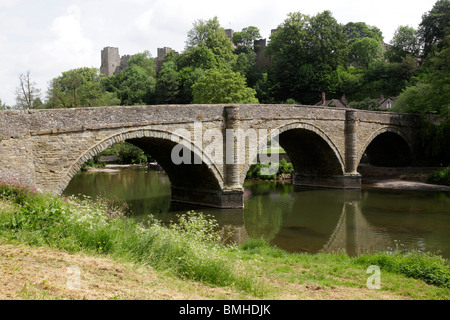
x=193 y=250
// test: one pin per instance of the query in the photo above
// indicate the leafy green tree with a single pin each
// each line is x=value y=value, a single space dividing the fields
x=145 y=61
x=431 y=93
x=360 y=30
x=210 y=34
x=80 y=87
x=222 y=86
x=244 y=40
x=405 y=42
x=167 y=84
x=186 y=78
x=136 y=84
x=366 y=104
x=305 y=51
x=365 y=51
x=435 y=26
x=197 y=57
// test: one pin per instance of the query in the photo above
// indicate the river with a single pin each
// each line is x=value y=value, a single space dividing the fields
x=294 y=219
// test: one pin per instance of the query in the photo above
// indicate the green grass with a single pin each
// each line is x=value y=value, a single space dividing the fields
x=192 y=249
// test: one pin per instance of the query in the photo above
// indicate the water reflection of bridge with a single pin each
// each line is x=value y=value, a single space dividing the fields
x=354 y=233
x=327 y=222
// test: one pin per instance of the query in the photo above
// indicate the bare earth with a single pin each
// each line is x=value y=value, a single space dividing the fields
x=28 y=273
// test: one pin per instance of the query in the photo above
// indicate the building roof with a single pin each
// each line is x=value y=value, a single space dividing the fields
x=342 y=103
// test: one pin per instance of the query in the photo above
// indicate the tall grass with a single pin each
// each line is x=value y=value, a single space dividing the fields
x=189 y=249
x=431 y=268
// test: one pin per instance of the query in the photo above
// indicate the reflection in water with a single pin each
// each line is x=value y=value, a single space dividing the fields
x=294 y=219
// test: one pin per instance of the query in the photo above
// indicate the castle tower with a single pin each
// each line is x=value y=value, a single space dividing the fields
x=110 y=61
x=162 y=53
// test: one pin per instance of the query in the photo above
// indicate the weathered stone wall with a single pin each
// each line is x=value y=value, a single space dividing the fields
x=16 y=148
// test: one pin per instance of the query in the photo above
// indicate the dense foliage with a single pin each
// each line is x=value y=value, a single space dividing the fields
x=307 y=55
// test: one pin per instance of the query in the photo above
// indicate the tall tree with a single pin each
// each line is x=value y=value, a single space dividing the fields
x=405 y=42
x=26 y=92
x=77 y=88
x=365 y=51
x=305 y=50
x=167 y=85
x=136 y=84
x=210 y=34
x=360 y=30
x=435 y=26
x=222 y=86
x=431 y=94
x=244 y=40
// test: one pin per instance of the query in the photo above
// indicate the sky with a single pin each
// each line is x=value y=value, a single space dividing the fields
x=48 y=37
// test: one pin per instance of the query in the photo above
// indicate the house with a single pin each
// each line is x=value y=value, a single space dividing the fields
x=335 y=103
x=386 y=103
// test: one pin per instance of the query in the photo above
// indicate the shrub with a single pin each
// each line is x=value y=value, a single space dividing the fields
x=441 y=177
x=16 y=191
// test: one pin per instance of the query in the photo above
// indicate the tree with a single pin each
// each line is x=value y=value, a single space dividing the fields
x=435 y=26
x=211 y=35
x=360 y=30
x=197 y=57
x=222 y=86
x=3 y=106
x=136 y=84
x=77 y=88
x=305 y=51
x=167 y=84
x=145 y=61
x=244 y=40
x=431 y=94
x=187 y=77
x=26 y=92
x=365 y=51
x=404 y=42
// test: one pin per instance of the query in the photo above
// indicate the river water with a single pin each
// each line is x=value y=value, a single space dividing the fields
x=294 y=219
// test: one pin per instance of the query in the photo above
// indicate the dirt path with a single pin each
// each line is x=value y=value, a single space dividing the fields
x=409 y=178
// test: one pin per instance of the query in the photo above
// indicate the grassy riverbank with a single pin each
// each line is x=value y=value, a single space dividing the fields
x=41 y=235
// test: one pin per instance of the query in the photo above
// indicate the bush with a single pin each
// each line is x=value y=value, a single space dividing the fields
x=16 y=191
x=441 y=177
x=284 y=167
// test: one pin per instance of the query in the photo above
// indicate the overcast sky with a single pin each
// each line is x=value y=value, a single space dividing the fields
x=48 y=37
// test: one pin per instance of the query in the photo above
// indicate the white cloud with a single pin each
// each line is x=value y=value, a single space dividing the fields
x=69 y=44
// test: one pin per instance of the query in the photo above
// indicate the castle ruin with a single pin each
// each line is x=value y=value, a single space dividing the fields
x=112 y=62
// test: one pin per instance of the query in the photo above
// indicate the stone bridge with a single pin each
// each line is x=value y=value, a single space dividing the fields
x=46 y=148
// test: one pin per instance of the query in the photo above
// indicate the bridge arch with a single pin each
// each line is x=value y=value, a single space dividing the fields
x=388 y=146
x=159 y=145
x=309 y=148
